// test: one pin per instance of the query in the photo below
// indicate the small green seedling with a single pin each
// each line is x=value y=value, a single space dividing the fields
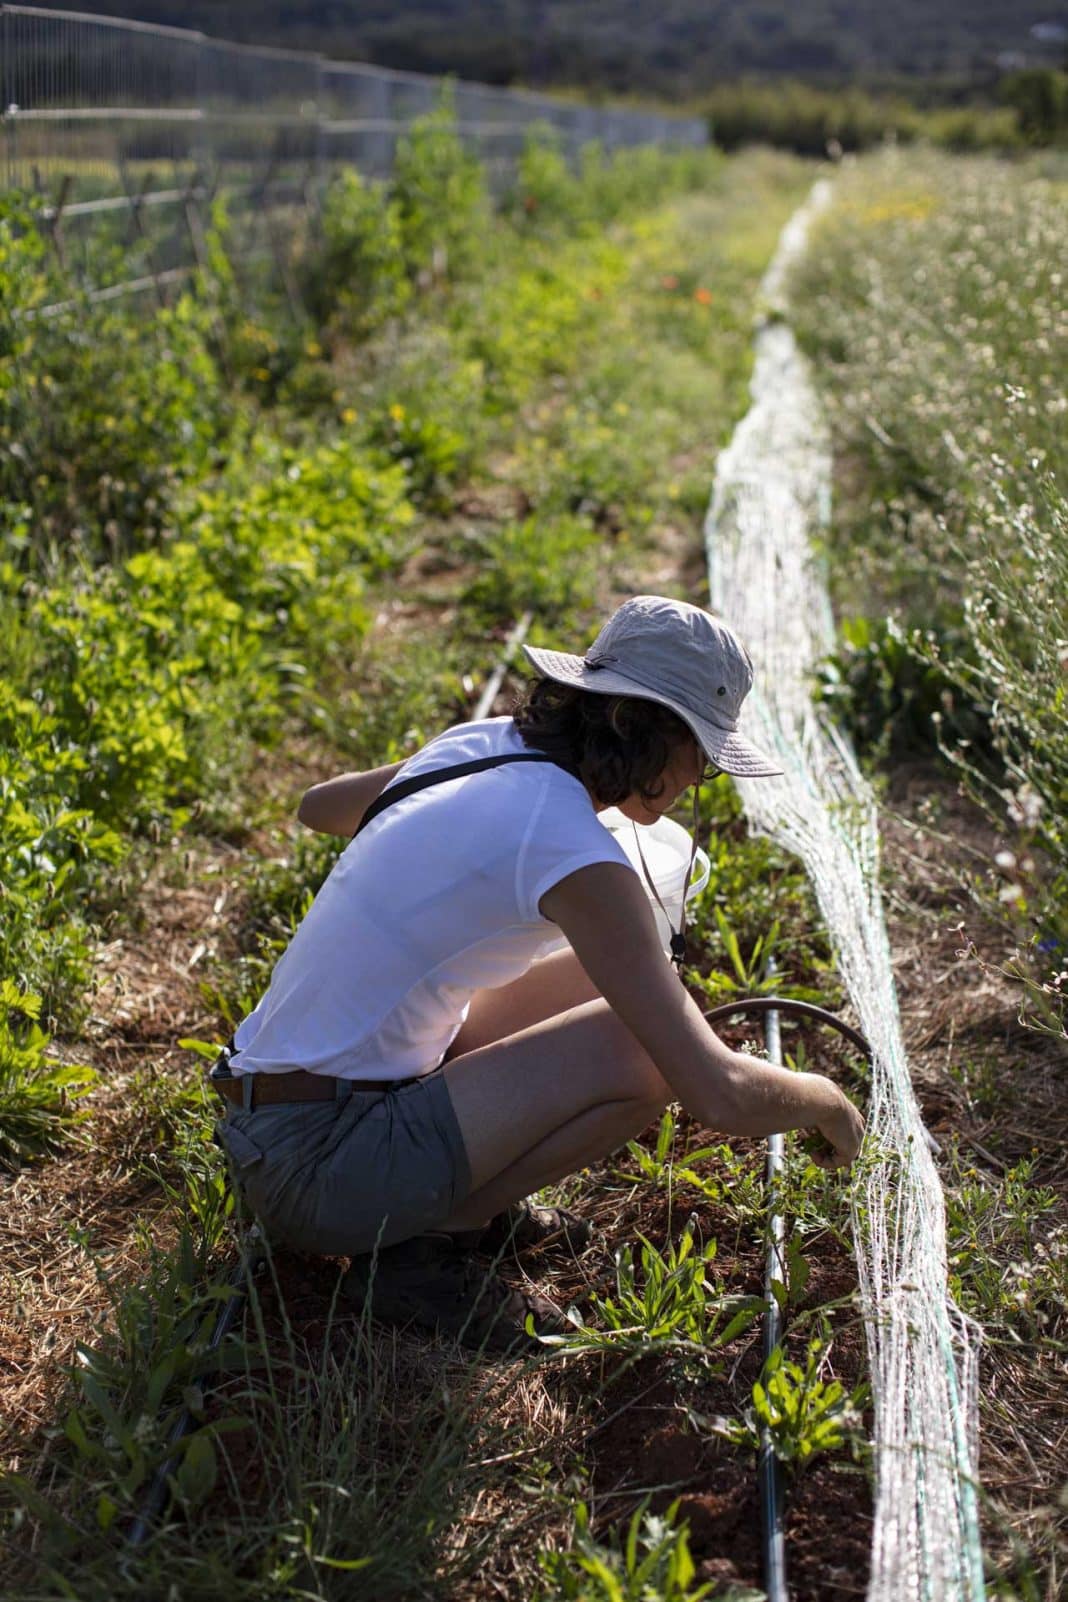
x=802 y=1414
x=666 y=1299
x=653 y=1560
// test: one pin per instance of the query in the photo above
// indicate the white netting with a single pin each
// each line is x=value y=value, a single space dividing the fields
x=772 y=491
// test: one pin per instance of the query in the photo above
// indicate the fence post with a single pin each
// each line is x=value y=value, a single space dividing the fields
x=137 y=228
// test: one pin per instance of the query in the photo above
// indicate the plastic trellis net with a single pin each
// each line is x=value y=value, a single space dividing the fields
x=772 y=490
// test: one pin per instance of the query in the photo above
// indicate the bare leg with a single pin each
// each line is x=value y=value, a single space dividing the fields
x=546 y=1100
x=597 y=1132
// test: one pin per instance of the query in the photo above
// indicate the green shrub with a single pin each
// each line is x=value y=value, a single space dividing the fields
x=546 y=194
x=52 y=849
x=102 y=420
x=1039 y=97
x=892 y=695
x=423 y=406
x=151 y=678
x=438 y=188
x=547 y=565
x=357 y=276
x=291 y=535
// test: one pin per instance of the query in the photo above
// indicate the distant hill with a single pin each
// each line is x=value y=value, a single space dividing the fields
x=663 y=47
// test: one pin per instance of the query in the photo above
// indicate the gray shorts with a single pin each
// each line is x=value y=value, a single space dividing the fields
x=338 y=1177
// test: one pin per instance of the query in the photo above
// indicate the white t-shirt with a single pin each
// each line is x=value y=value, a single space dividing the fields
x=436 y=898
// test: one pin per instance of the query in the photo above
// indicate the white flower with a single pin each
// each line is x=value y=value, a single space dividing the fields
x=1025 y=807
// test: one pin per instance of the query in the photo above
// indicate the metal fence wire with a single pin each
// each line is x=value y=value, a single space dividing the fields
x=109 y=122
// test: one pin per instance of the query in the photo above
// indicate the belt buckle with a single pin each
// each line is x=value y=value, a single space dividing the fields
x=220 y=1072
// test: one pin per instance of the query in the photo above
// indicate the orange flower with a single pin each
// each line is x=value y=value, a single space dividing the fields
x=669 y=281
x=703 y=297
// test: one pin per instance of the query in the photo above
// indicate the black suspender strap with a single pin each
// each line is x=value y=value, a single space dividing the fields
x=422 y=781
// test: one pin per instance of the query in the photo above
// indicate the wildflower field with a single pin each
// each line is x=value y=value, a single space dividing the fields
x=246 y=549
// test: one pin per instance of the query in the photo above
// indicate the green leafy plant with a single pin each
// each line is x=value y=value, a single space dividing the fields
x=1008 y=1255
x=891 y=694
x=732 y=1181
x=38 y=1092
x=657 y=1166
x=544 y=565
x=105 y=419
x=803 y=1415
x=440 y=194
x=652 y=1560
x=357 y=278
x=665 y=1298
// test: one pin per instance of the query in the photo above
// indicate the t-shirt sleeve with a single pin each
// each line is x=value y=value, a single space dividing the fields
x=563 y=836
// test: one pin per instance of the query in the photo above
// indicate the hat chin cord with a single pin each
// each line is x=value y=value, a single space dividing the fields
x=678 y=936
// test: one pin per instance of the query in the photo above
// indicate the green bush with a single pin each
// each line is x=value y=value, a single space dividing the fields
x=52 y=850
x=357 y=276
x=892 y=694
x=423 y=406
x=442 y=204
x=291 y=535
x=1039 y=97
x=546 y=193
x=103 y=418
x=150 y=678
x=548 y=566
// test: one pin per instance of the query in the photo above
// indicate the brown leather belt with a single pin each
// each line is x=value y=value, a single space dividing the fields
x=298 y=1085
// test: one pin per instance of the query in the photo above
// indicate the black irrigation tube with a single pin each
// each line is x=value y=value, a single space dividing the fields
x=769 y=1475
x=251 y=1260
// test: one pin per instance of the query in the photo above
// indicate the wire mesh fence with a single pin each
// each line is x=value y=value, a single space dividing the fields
x=124 y=132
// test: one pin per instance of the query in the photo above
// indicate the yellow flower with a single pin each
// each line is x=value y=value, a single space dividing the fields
x=261 y=373
x=396 y=411
x=313 y=348
x=349 y=415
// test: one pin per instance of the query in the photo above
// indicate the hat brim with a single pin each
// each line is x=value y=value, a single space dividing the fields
x=728 y=749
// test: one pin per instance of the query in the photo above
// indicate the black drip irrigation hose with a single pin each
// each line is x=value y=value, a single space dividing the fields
x=251 y=1260
x=770 y=1485
x=796 y=1009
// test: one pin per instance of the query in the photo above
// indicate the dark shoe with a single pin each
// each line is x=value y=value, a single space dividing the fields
x=525 y=1227
x=429 y=1282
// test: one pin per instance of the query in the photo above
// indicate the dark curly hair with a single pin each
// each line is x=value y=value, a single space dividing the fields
x=618 y=745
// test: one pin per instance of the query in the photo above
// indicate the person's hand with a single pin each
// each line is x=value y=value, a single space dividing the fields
x=841 y=1130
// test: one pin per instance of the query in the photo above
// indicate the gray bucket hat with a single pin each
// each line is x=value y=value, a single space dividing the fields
x=662 y=650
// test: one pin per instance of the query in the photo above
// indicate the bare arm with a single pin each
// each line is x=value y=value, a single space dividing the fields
x=605 y=914
x=337 y=805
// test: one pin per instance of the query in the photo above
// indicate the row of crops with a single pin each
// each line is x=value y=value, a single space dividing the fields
x=246 y=548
